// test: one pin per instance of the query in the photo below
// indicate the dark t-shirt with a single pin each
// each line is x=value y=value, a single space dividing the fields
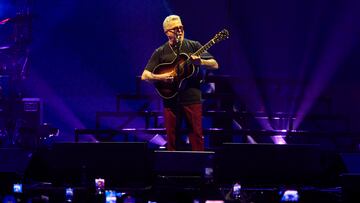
x=190 y=94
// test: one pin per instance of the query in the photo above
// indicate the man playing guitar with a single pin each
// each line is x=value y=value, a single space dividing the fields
x=173 y=68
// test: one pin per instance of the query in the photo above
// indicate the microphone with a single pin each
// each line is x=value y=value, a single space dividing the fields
x=178 y=36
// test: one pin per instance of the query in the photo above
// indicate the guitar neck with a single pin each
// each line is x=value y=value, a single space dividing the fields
x=205 y=47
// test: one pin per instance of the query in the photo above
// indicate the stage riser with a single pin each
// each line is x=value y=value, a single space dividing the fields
x=133 y=165
x=260 y=164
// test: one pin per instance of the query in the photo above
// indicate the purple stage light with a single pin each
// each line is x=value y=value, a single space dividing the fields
x=278 y=139
x=250 y=139
x=56 y=104
x=158 y=140
x=339 y=43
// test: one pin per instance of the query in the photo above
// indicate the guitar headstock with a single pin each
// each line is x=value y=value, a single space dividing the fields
x=222 y=35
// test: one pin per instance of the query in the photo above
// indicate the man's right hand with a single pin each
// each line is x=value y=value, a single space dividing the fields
x=169 y=78
x=166 y=77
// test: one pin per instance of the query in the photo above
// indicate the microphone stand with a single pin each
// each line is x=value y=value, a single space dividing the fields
x=178 y=140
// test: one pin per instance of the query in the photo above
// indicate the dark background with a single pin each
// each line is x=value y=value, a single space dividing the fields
x=85 y=52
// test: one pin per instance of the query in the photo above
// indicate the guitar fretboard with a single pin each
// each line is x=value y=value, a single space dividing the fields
x=204 y=48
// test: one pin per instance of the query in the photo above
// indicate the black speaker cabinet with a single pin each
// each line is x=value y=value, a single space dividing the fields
x=120 y=164
x=30 y=112
x=269 y=164
x=183 y=163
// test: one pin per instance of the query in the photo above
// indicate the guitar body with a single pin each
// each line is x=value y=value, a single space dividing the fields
x=181 y=70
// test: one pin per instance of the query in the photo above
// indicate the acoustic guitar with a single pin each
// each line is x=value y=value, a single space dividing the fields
x=181 y=69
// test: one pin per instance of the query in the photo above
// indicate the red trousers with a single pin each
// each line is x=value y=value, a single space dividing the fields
x=193 y=116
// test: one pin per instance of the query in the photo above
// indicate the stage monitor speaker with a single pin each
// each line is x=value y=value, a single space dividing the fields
x=269 y=164
x=178 y=174
x=120 y=164
x=182 y=163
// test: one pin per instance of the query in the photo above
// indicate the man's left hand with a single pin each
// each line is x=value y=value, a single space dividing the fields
x=196 y=60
